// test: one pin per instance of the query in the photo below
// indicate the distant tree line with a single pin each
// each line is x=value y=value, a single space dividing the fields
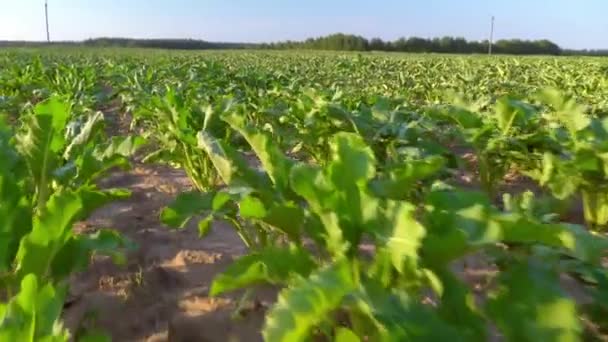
x=348 y=42
x=339 y=42
x=586 y=52
x=171 y=44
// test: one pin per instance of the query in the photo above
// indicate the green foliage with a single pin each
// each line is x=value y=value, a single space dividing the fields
x=270 y=265
x=172 y=121
x=306 y=305
x=582 y=168
x=530 y=305
x=46 y=186
x=414 y=247
x=33 y=314
x=348 y=42
x=341 y=175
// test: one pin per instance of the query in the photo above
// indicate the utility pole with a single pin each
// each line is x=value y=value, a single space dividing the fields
x=491 y=37
x=46 y=16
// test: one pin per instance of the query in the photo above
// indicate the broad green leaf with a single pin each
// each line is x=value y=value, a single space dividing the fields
x=353 y=161
x=405 y=240
x=530 y=306
x=204 y=226
x=75 y=254
x=595 y=206
x=89 y=166
x=458 y=307
x=252 y=208
x=400 y=179
x=273 y=160
x=93 y=124
x=41 y=142
x=288 y=218
x=271 y=265
x=185 y=207
x=19 y=322
x=15 y=218
x=567 y=111
x=33 y=314
x=310 y=183
x=457 y=223
x=308 y=303
x=94 y=336
x=463 y=117
x=93 y=199
x=511 y=113
x=571 y=239
x=231 y=167
x=219 y=156
x=398 y=317
x=122 y=146
x=562 y=178
x=51 y=231
x=346 y=335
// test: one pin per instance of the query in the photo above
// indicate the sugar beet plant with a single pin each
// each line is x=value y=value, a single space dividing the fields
x=338 y=173
x=381 y=268
x=582 y=166
x=47 y=183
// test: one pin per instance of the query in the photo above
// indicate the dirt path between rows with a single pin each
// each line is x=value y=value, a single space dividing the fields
x=161 y=292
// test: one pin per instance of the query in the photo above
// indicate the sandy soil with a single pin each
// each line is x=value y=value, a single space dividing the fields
x=161 y=293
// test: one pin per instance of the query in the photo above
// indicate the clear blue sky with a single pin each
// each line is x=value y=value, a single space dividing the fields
x=570 y=23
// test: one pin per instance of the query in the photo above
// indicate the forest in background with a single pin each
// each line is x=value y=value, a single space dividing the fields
x=340 y=42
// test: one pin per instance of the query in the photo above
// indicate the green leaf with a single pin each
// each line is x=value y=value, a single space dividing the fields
x=405 y=240
x=51 y=231
x=93 y=199
x=271 y=265
x=95 y=336
x=530 y=306
x=512 y=113
x=75 y=254
x=567 y=111
x=397 y=317
x=353 y=162
x=185 y=207
x=310 y=183
x=288 y=218
x=15 y=217
x=219 y=156
x=273 y=160
x=459 y=309
x=204 y=226
x=346 y=335
x=561 y=177
x=34 y=313
x=463 y=117
x=229 y=164
x=308 y=303
x=41 y=142
x=123 y=146
x=400 y=179
x=571 y=239
x=93 y=125
x=252 y=208
x=457 y=222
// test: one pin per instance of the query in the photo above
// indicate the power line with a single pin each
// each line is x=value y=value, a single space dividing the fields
x=46 y=16
x=491 y=37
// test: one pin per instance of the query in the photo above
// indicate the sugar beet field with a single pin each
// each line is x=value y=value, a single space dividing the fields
x=300 y=196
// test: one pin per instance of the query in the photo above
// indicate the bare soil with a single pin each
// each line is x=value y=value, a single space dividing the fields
x=161 y=294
